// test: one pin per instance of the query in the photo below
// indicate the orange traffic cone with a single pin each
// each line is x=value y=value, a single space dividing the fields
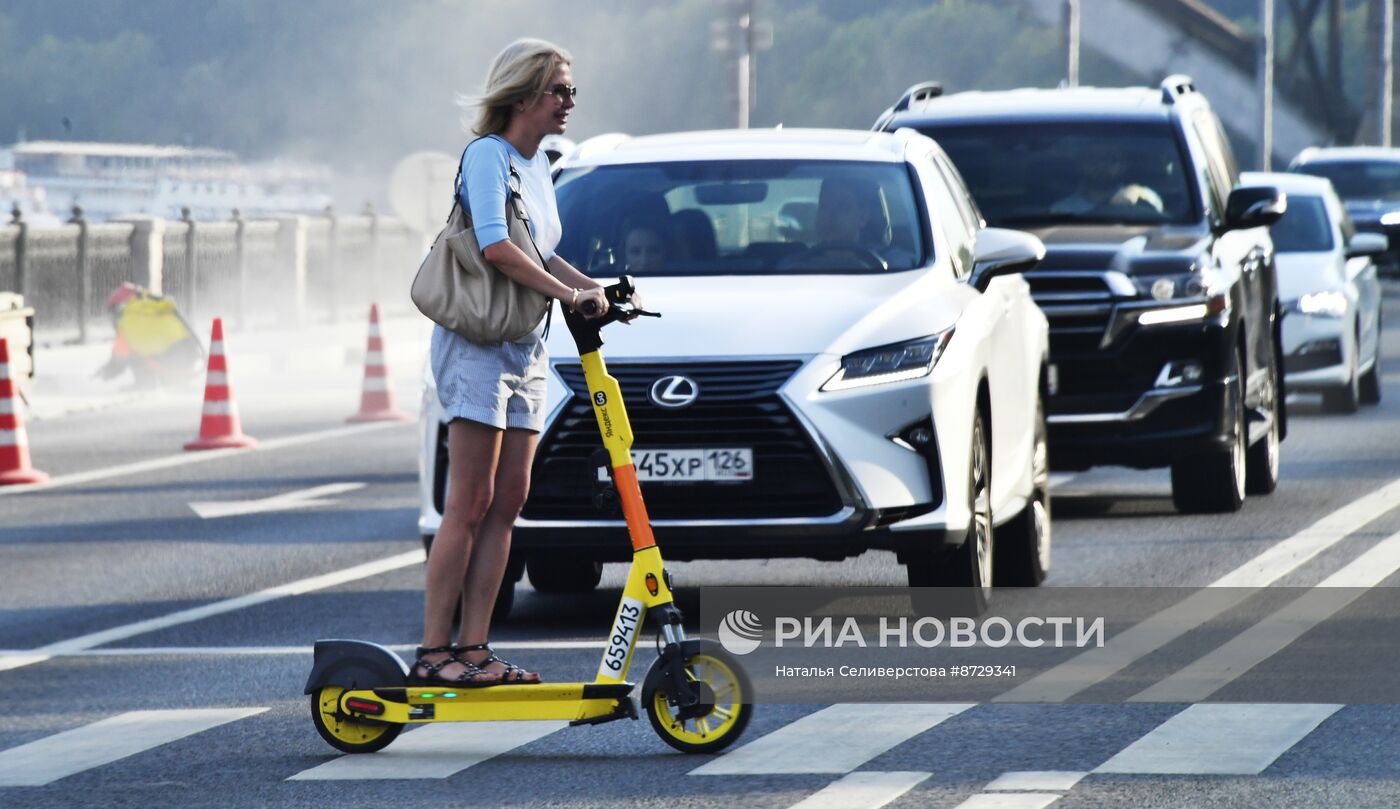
x=14 y=445
x=376 y=399
x=219 y=427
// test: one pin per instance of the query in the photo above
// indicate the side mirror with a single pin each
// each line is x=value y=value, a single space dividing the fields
x=999 y=251
x=1254 y=207
x=1367 y=244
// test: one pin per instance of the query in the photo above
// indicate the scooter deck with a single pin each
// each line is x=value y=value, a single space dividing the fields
x=578 y=702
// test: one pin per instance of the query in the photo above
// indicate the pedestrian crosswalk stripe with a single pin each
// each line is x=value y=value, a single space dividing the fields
x=433 y=751
x=863 y=790
x=1035 y=781
x=836 y=739
x=73 y=751
x=1219 y=739
x=1010 y=800
x=1268 y=637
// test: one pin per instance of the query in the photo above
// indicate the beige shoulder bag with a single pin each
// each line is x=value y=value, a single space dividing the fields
x=457 y=288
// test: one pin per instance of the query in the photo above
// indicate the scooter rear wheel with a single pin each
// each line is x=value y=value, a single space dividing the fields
x=344 y=733
x=726 y=702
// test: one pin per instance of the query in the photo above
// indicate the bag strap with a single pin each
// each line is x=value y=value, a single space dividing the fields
x=515 y=202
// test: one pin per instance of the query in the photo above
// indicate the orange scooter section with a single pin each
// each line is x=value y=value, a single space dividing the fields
x=633 y=508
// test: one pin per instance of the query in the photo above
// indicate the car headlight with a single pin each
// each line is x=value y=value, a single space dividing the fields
x=891 y=363
x=1183 y=298
x=1323 y=304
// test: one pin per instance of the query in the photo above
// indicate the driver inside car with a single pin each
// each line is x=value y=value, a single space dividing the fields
x=1102 y=185
x=844 y=208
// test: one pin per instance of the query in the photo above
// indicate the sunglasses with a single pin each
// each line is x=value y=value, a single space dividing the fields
x=563 y=92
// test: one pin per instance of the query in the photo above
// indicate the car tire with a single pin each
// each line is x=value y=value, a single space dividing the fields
x=1214 y=482
x=1371 y=385
x=1344 y=399
x=1262 y=461
x=564 y=575
x=960 y=578
x=1023 y=544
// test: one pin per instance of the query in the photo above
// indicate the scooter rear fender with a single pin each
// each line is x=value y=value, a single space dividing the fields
x=355 y=664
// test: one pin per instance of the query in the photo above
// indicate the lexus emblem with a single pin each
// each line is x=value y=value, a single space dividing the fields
x=674 y=392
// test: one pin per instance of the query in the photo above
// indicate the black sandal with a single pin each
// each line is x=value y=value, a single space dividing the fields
x=467 y=679
x=514 y=675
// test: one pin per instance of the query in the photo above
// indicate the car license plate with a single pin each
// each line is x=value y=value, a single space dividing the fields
x=693 y=465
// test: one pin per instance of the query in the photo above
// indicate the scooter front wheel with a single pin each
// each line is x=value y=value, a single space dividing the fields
x=344 y=733
x=724 y=708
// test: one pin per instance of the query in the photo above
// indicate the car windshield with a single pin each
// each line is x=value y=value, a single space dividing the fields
x=1359 y=179
x=1304 y=228
x=1027 y=174
x=740 y=217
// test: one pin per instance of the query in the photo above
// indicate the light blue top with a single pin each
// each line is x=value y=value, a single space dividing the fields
x=486 y=177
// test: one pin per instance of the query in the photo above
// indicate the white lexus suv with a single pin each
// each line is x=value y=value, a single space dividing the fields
x=847 y=360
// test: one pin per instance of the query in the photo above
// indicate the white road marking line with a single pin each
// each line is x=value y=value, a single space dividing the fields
x=73 y=751
x=302 y=498
x=1035 y=781
x=1268 y=637
x=298 y=587
x=1061 y=682
x=1219 y=739
x=806 y=746
x=186 y=458
x=1009 y=800
x=433 y=751
x=213 y=651
x=863 y=790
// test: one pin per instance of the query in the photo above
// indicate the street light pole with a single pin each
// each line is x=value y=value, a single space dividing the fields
x=1071 y=20
x=1386 y=74
x=745 y=60
x=1265 y=76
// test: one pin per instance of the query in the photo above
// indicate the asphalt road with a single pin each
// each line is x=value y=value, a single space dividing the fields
x=150 y=658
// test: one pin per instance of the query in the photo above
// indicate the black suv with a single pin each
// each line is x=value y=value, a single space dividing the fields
x=1158 y=279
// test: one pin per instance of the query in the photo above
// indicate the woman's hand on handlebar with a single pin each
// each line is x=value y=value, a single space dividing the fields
x=636 y=303
x=592 y=303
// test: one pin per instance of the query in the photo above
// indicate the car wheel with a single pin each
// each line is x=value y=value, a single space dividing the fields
x=1261 y=465
x=566 y=575
x=1023 y=544
x=1214 y=482
x=1346 y=398
x=962 y=575
x=1371 y=384
x=1370 y=387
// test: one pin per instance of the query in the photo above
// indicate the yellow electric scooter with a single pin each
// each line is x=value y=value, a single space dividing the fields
x=697 y=697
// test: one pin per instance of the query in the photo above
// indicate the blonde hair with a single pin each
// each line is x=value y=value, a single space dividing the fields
x=520 y=71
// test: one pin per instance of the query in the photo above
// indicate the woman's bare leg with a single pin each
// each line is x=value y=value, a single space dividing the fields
x=491 y=551
x=473 y=450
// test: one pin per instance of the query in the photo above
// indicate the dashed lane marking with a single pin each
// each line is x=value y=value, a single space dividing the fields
x=1088 y=668
x=1009 y=800
x=307 y=585
x=1268 y=637
x=187 y=458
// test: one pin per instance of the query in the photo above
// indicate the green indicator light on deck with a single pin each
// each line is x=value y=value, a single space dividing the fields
x=450 y=694
x=426 y=696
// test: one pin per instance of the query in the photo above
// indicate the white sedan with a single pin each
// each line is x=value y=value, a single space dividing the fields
x=1327 y=282
x=848 y=360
